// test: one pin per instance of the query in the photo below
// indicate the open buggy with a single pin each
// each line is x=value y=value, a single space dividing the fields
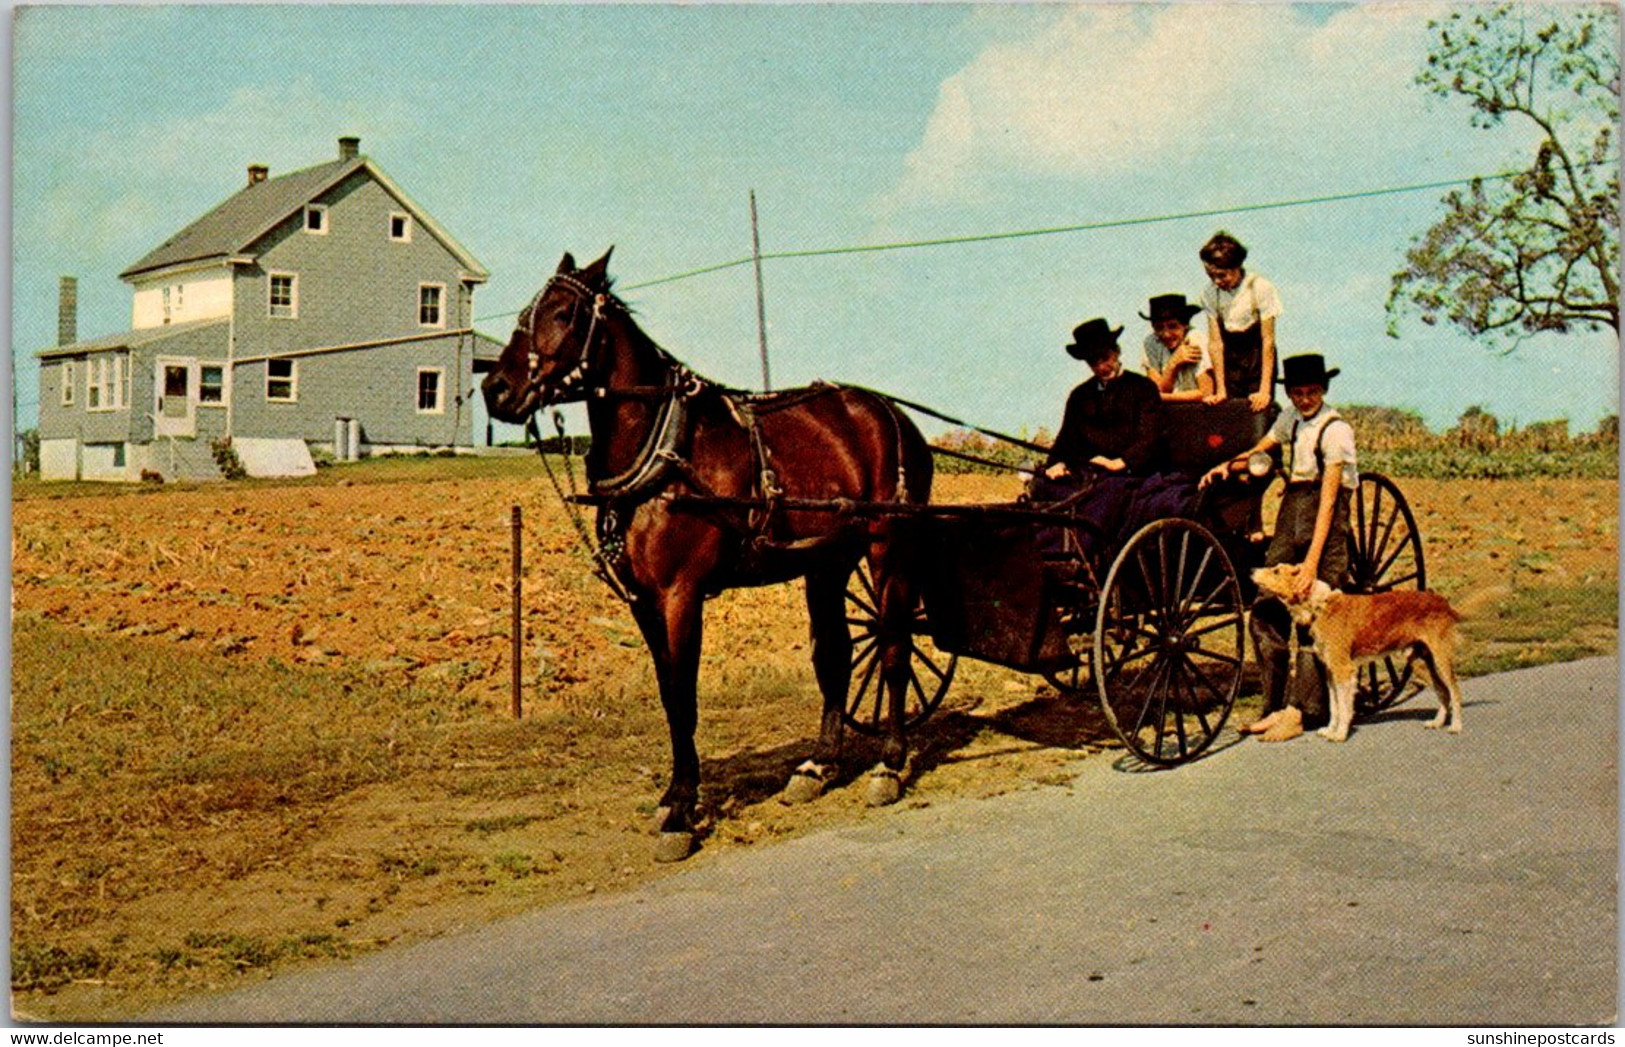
x=1151 y=623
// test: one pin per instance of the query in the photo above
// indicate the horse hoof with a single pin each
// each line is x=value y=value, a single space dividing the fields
x=803 y=788
x=885 y=788
x=674 y=847
x=658 y=822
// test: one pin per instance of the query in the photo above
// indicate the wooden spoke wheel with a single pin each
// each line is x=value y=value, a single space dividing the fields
x=1385 y=554
x=1076 y=592
x=1170 y=641
x=930 y=671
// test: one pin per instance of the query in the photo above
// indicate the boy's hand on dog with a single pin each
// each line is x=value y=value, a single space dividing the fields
x=1307 y=572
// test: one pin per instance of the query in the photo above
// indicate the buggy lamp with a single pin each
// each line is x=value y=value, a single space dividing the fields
x=1260 y=464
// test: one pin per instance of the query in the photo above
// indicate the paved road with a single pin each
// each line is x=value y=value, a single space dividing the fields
x=1406 y=877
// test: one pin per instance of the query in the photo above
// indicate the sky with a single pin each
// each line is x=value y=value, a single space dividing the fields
x=529 y=131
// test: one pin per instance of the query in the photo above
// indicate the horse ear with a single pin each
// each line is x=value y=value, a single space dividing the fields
x=600 y=267
x=567 y=264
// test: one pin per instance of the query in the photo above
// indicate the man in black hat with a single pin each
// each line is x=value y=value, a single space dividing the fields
x=1311 y=529
x=1110 y=434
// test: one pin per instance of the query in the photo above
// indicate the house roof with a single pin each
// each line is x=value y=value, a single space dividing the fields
x=131 y=339
x=236 y=225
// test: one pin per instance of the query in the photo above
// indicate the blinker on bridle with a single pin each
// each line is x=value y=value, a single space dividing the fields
x=573 y=385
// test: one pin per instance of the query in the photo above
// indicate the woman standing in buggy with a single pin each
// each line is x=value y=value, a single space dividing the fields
x=1110 y=435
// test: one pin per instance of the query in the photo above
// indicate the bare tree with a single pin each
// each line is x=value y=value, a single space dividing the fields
x=1539 y=250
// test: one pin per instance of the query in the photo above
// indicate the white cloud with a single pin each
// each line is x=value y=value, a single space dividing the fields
x=137 y=183
x=1111 y=90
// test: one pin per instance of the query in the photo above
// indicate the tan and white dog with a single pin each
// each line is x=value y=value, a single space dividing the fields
x=1350 y=630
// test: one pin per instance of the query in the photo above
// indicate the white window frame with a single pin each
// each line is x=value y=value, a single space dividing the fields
x=225 y=383
x=440 y=306
x=406 y=227
x=439 y=391
x=292 y=379
x=67 y=383
x=323 y=225
x=270 y=295
x=105 y=383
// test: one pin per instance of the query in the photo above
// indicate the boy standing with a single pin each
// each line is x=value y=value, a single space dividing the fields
x=1311 y=529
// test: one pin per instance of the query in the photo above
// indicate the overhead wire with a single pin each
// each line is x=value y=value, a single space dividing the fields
x=1115 y=223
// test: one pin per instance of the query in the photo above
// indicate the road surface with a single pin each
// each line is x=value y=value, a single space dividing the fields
x=1405 y=877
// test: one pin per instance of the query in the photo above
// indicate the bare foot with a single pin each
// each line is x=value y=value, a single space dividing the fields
x=1289 y=725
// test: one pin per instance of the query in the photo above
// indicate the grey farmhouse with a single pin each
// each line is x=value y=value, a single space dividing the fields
x=320 y=309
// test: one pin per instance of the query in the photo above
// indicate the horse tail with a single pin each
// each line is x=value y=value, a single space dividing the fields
x=915 y=465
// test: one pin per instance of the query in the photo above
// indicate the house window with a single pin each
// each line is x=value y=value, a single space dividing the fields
x=400 y=227
x=316 y=218
x=430 y=313
x=284 y=295
x=118 y=456
x=105 y=384
x=212 y=384
x=282 y=380
x=431 y=390
x=174 y=301
x=67 y=383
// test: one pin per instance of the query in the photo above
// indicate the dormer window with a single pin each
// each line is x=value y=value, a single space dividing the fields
x=400 y=227
x=316 y=218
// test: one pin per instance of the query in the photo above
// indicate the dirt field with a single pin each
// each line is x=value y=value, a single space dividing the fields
x=262 y=725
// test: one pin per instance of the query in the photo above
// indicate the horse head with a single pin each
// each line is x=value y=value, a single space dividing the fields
x=551 y=353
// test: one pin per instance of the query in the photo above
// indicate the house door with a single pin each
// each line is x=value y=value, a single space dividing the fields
x=177 y=387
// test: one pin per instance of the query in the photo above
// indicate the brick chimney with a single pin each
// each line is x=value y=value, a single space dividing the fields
x=67 y=311
x=258 y=173
x=349 y=148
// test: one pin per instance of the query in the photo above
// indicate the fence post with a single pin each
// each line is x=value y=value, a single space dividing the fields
x=518 y=636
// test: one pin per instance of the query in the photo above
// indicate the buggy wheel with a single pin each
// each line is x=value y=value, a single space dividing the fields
x=1169 y=641
x=930 y=671
x=1385 y=553
x=1076 y=592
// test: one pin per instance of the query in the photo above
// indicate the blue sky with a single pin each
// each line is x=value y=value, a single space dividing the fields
x=529 y=131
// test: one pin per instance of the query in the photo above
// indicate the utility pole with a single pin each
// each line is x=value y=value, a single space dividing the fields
x=761 y=304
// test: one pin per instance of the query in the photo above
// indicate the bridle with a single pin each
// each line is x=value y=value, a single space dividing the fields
x=574 y=384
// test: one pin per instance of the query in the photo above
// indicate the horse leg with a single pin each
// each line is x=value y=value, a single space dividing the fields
x=896 y=615
x=671 y=626
x=832 y=665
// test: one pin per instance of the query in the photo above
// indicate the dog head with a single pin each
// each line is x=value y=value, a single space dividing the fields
x=1281 y=582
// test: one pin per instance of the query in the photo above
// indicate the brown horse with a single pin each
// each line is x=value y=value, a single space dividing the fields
x=660 y=432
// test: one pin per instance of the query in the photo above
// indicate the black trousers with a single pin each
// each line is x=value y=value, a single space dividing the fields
x=1305 y=688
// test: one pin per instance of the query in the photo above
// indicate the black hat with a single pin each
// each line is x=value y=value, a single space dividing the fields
x=1092 y=340
x=1171 y=307
x=1307 y=369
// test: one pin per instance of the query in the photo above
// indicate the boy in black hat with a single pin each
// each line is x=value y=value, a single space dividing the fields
x=1110 y=434
x=1311 y=529
x=1176 y=356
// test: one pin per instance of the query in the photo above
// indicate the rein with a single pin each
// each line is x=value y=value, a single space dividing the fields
x=601 y=563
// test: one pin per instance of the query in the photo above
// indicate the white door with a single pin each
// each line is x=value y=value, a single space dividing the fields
x=176 y=386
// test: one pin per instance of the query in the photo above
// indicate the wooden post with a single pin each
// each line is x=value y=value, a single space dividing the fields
x=518 y=635
x=761 y=304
